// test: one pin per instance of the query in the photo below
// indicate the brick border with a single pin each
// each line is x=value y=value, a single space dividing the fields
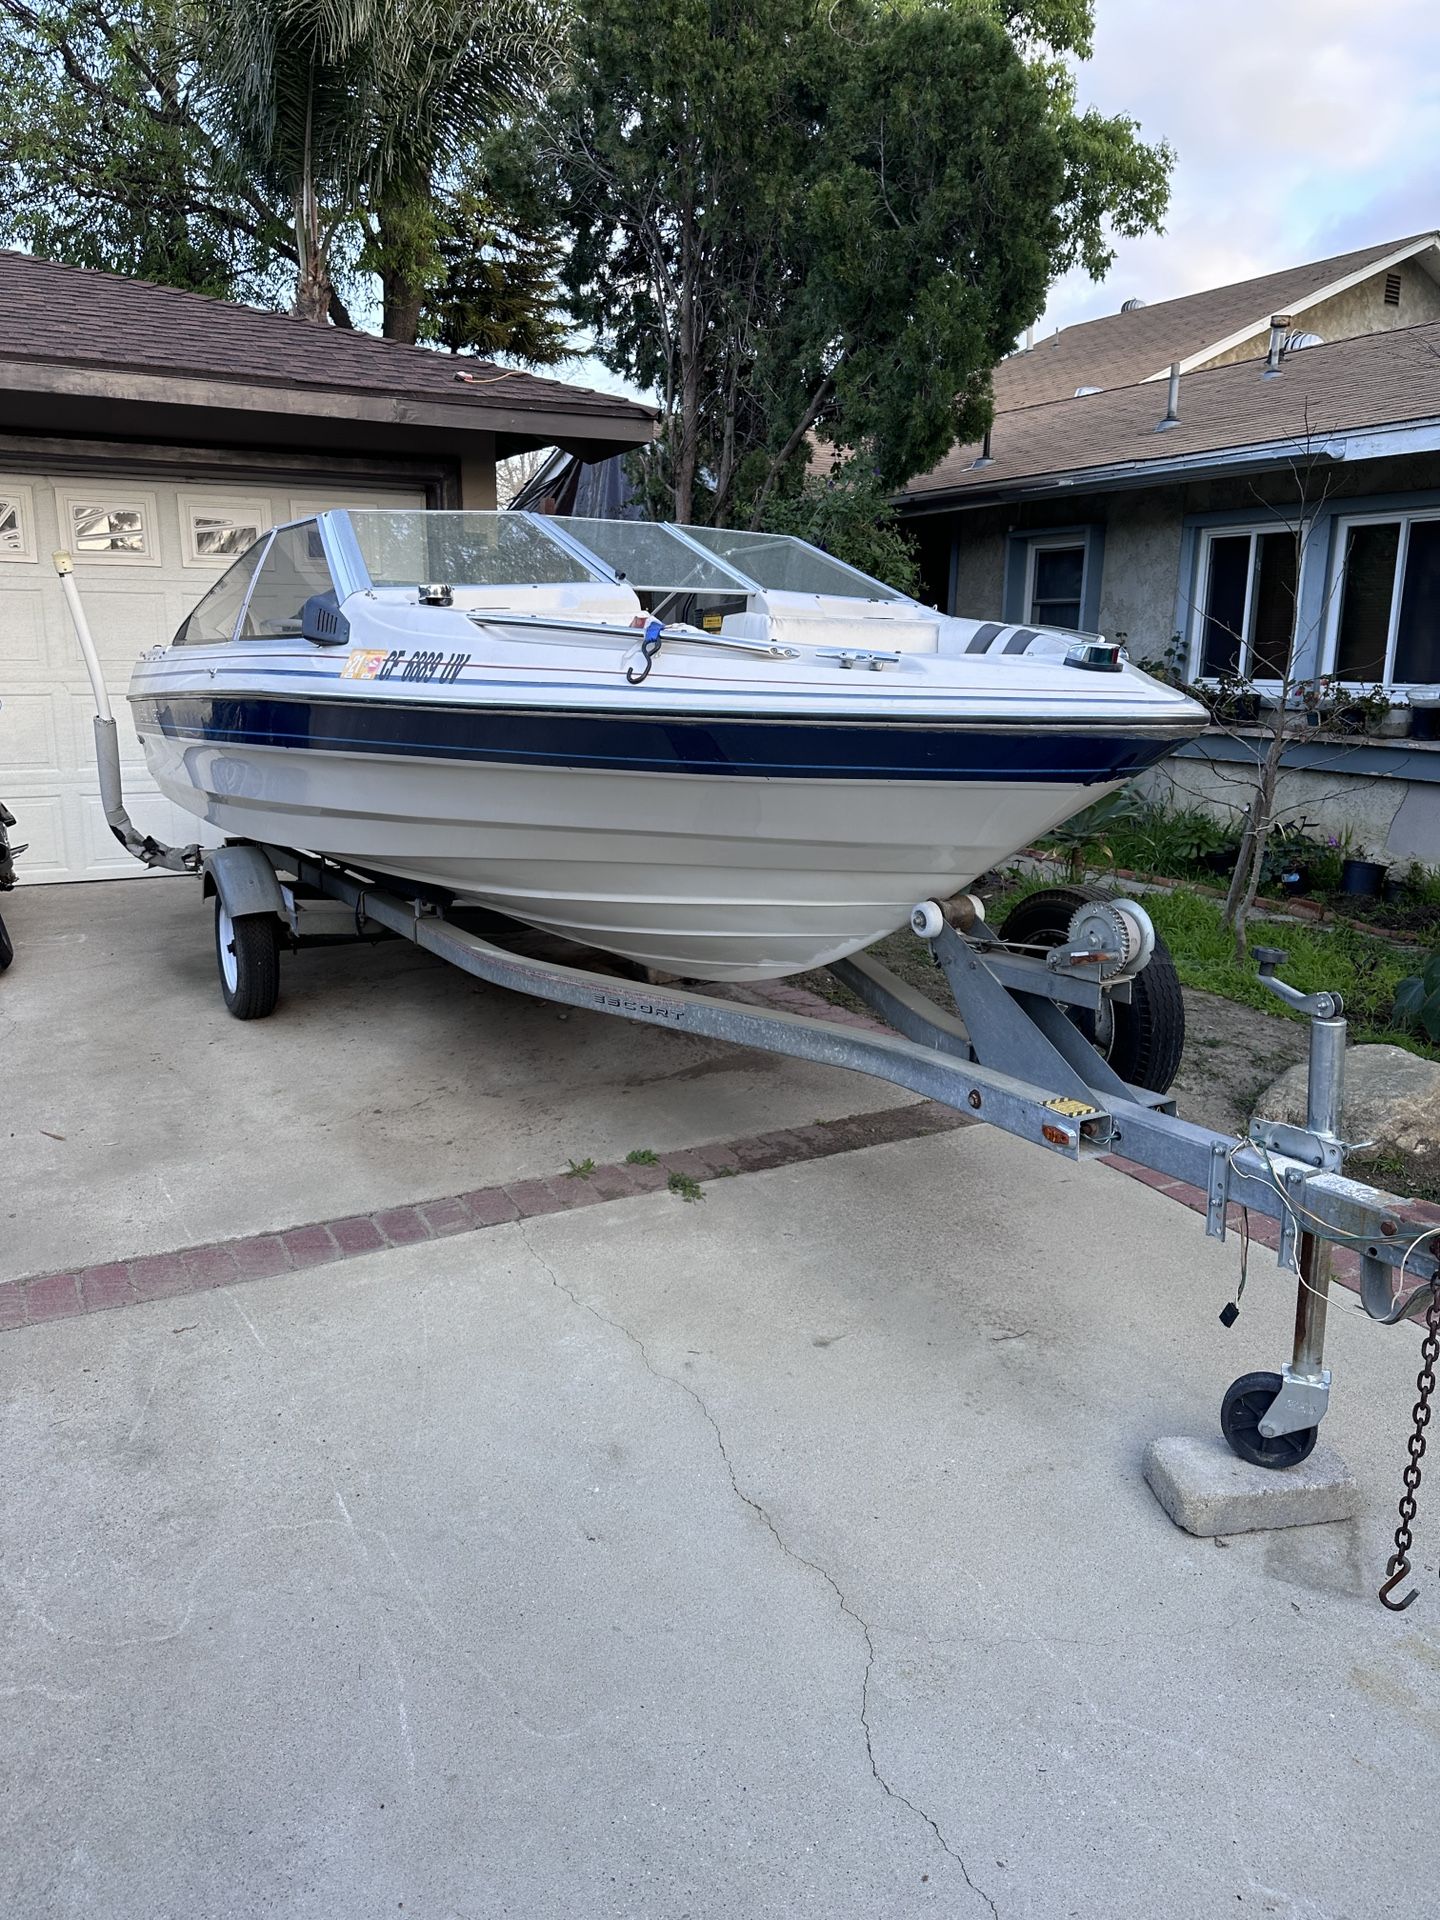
x=159 y=1276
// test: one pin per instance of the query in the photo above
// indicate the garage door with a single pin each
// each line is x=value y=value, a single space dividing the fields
x=144 y=554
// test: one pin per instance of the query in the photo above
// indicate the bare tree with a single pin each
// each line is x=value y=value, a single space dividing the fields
x=1284 y=715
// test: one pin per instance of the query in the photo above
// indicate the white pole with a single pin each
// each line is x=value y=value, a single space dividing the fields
x=65 y=567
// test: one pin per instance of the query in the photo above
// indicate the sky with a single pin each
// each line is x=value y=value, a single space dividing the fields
x=1301 y=128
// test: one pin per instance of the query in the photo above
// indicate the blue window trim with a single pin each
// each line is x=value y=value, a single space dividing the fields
x=1320 y=557
x=1090 y=536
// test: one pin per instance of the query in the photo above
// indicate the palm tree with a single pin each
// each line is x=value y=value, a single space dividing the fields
x=362 y=111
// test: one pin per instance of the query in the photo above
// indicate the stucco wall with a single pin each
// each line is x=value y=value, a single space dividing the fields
x=980 y=565
x=1360 y=309
x=1142 y=559
x=1387 y=819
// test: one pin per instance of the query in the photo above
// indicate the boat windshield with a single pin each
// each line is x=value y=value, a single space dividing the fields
x=408 y=548
x=780 y=564
x=651 y=557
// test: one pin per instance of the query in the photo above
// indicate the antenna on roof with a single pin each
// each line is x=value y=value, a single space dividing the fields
x=1172 y=400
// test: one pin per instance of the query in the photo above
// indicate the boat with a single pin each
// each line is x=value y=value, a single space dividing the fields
x=722 y=755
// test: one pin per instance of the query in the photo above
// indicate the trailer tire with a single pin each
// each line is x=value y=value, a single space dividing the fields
x=247 y=952
x=7 y=950
x=1144 y=1040
x=1246 y=1403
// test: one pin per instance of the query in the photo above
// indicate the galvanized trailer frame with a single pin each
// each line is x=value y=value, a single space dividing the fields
x=1054 y=1088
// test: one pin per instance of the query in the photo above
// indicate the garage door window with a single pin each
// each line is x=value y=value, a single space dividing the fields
x=294 y=569
x=217 y=530
x=99 y=528
x=17 y=523
x=213 y=621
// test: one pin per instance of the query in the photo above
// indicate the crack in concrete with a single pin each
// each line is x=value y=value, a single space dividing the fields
x=813 y=1566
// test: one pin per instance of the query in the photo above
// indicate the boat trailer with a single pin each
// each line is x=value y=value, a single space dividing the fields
x=1023 y=1051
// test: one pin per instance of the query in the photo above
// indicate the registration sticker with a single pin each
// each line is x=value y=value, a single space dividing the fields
x=364 y=664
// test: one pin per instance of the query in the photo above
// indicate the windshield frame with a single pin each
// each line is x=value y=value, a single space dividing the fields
x=352 y=575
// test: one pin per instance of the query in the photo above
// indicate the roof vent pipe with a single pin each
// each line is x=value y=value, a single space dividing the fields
x=985 y=458
x=1172 y=400
x=1279 y=327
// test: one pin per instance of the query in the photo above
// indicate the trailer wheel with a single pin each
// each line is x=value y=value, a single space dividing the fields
x=247 y=951
x=1143 y=1041
x=1246 y=1403
x=7 y=951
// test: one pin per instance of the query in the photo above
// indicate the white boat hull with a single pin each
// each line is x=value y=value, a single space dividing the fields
x=730 y=878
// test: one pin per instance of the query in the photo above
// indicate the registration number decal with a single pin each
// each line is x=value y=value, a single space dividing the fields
x=373 y=663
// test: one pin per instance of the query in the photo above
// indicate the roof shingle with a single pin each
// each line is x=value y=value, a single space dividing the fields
x=1375 y=379
x=76 y=317
x=1121 y=349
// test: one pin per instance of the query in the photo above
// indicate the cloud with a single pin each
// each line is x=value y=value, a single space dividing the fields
x=1301 y=128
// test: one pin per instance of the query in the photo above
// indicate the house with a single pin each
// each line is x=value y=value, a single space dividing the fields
x=154 y=433
x=1217 y=479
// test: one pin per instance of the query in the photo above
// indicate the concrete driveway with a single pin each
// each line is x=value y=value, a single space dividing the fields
x=782 y=1553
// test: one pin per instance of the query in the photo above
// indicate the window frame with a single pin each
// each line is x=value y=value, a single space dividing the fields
x=1404 y=517
x=1254 y=531
x=102 y=496
x=1055 y=543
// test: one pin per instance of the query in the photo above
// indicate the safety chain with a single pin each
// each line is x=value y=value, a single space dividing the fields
x=1397 y=1567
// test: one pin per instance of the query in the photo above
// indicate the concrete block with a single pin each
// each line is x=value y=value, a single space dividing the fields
x=1206 y=1489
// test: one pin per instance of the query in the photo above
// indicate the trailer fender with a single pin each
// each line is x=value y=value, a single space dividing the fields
x=245 y=880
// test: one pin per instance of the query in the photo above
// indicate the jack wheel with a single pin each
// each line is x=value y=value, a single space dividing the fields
x=1246 y=1403
x=1143 y=1041
x=247 y=952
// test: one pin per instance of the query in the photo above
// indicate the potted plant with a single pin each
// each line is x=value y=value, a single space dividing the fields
x=1317 y=699
x=1363 y=878
x=1368 y=712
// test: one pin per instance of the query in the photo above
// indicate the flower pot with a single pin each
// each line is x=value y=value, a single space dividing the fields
x=1394 y=724
x=1364 y=878
x=1425 y=723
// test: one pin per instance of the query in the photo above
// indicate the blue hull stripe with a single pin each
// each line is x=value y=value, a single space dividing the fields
x=775 y=749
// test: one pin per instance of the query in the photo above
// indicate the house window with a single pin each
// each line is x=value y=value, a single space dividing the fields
x=1054 y=591
x=1245 y=619
x=216 y=531
x=100 y=527
x=1386 y=623
x=17 y=523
